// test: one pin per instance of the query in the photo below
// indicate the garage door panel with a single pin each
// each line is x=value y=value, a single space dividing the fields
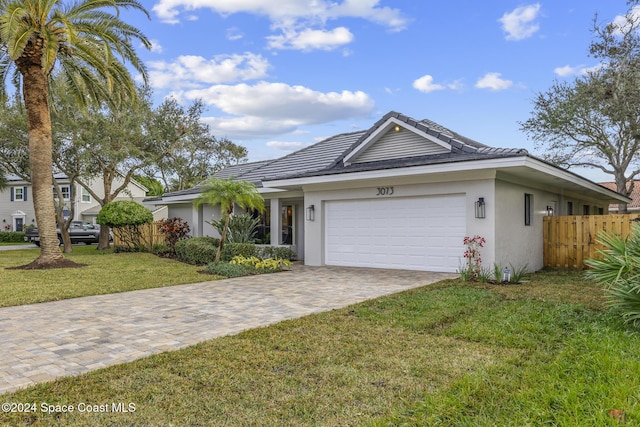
x=420 y=233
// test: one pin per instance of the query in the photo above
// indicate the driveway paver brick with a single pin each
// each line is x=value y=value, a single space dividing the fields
x=41 y=342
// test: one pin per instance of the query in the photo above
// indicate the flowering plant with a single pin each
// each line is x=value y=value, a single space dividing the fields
x=472 y=255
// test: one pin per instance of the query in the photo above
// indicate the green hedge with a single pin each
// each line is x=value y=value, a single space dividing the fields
x=229 y=270
x=202 y=250
x=276 y=252
x=11 y=236
x=231 y=250
x=197 y=250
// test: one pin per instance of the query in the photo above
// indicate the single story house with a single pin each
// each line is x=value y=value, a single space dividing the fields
x=404 y=194
x=16 y=204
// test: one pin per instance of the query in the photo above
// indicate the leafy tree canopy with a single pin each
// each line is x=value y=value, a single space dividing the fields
x=594 y=121
x=123 y=213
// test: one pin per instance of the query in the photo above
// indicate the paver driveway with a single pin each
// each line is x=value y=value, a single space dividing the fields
x=41 y=342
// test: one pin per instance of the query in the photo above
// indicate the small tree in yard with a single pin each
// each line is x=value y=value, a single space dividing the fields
x=126 y=217
x=227 y=193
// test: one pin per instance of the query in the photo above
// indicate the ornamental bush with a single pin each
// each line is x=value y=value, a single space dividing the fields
x=11 y=236
x=126 y=217
x=174 y=230
x=226 y=269
x=276 y=252
x=197 y=250
x=231 y=250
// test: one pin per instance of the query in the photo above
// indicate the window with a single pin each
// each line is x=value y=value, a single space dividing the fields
x=86 y=197
x=569 y=208
x=18 y=194
x=585 y=210
x=66 y=192
x=528 y=208
x=600 y=211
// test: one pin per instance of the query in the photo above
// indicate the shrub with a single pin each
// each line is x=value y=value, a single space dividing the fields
x=126 y=217
x=163 y=251
x=229 y=270
x=268 y=265
x=242 y=228
x=197 y=250
x=618 y=268
x=11 y=236
x=231 y=250
x=277 y=252
x=174 y=230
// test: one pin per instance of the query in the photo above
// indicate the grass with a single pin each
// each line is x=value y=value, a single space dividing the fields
x=104 y=273
x=450 y=354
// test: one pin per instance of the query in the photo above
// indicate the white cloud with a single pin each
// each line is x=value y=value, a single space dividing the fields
x=190 y=71
x=277 y=100
x=309 y=39
x=156 y=47
x=269 y=109
x=425 y=84
x=568 y=71
x=301 y=22
x=288 y=10
x=285 y=145
x=622 y=22
x=493 y=81
x=520 y=23
x=234 y=33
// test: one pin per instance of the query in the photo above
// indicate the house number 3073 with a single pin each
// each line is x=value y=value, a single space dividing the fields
x=384 y=191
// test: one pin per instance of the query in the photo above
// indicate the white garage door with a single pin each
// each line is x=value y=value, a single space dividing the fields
x=416 y=233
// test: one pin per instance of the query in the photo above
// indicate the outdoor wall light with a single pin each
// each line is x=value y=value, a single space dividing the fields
x=311 y=213
x=397 y=128
x=480 y=208
x=549 y=210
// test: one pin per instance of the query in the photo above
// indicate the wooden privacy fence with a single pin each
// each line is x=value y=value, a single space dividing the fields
x=151 y=235
x=569 y=240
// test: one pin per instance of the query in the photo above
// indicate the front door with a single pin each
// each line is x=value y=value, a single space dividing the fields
x=19 y=224
x=287 y=225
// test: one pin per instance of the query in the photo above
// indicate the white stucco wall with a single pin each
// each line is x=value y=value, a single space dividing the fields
x=472 y=185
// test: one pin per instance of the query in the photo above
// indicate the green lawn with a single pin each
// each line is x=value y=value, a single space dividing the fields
x=450 y=354
x=104 y=273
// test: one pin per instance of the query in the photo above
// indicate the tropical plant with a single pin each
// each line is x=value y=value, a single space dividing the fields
x=242 y=228
x=228 y=193
x=618 y=268
x=87 y=43
x=174 y=230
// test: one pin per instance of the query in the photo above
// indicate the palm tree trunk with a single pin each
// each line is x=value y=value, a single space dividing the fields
x=223 y=237
x=35 y=92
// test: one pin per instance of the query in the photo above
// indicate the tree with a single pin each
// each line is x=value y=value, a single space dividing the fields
x=154 y=187
x=228 y=193
x=126 y=217
x=190 y=153
x=594 y=121
x=104 y=141
x=87 y=43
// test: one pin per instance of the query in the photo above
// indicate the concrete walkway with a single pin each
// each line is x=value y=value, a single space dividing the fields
x=41 y=342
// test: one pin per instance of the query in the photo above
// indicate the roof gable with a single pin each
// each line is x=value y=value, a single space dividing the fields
x=396 y=139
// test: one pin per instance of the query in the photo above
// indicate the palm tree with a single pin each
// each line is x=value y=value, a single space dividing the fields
x=227 y=193
x=88 y=45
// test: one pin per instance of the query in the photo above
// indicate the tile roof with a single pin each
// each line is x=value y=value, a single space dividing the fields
x=325 y=157
x=634 y=196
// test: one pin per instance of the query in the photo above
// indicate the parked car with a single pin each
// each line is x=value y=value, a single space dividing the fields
x=79 y=232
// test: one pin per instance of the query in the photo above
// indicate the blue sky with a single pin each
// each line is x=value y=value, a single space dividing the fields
x=279 y=75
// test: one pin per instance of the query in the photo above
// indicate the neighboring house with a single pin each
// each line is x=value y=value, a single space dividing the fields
x=632 y=207
x=16 y=203
x=404 y=194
